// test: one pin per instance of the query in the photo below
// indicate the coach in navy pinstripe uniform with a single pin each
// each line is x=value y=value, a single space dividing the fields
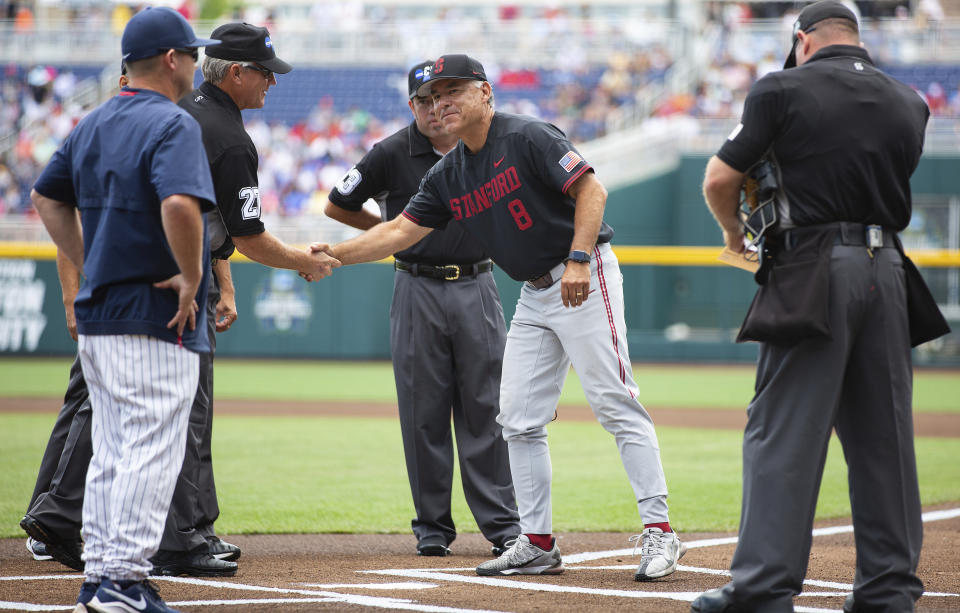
x=136 y=170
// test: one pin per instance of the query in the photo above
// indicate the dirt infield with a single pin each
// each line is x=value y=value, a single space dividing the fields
x=300 y=573
x=925 y=424
x=328 y=572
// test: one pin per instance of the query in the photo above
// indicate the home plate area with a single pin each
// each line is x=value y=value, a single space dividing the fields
x=300 y=573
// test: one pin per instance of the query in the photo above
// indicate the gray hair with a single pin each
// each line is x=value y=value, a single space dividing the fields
x=479 y=85
x=214 y=69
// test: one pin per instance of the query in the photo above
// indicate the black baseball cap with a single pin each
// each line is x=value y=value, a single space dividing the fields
x=813 y=14
x=454 y=66
x=417 y=76
x=154 y=30
x=242 y=42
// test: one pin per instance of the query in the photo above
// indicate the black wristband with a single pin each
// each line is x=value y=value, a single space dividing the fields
x=580 y=257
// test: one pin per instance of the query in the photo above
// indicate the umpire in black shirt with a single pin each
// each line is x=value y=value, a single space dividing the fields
x=447 y=335
x=832 y=317
x=236 y=77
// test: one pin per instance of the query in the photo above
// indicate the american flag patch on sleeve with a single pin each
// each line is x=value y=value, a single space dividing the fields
x=570 y=160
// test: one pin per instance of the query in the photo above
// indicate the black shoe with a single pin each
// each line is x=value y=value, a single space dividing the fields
x=199 y=564
x=222 y=550
x=849 y=606
x=433 y=546
x=714 y=601
x=67 y=551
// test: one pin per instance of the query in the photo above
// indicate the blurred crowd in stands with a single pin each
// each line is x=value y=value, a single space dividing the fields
x=301 y=161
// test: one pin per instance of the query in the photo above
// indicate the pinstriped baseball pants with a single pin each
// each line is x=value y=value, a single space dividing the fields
x=545 y=338
x=141 y=389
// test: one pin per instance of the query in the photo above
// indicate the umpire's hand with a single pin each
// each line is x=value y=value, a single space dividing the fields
x=322 y=263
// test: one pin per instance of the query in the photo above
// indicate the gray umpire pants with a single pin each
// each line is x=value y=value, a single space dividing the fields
x=57 y=500
x=859 y=382
x=447 y=340
x=194 y=506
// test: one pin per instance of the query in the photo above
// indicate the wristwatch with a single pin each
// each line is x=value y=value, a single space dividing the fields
x=580 y=257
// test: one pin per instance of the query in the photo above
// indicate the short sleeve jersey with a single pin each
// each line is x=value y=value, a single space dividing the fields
x=117 y=166
x=846 y=137
x=390 y=174
x=511 y=195
x=233 y=165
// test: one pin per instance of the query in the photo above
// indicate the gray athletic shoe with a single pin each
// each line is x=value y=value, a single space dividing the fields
x=659 y=553
x=524 y=558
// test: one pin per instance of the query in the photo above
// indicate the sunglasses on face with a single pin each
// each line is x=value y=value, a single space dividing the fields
x=267 y=73
x=192 y=52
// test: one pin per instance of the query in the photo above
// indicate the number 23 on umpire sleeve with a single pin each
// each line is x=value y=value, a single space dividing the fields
x=251 y=202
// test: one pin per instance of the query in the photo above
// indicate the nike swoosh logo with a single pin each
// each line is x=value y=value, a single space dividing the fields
x=497 y=163
x=139 y=605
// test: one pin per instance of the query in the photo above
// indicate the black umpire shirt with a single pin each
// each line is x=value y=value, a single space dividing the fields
x=233 y=164
x=390 y=173
x=846 y=137
x=511 y=195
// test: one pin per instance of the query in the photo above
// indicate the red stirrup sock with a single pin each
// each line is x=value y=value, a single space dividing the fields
x=664 y=526
x=543 y=541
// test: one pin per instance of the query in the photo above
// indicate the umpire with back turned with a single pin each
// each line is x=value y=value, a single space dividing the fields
x=831 y=316
x=447 y=335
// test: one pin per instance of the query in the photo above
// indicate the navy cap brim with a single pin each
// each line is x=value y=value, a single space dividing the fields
x=143 y=54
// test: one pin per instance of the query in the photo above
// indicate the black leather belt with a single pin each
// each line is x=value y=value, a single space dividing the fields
x=848 y=233
x=542 y=282
x=445 y=272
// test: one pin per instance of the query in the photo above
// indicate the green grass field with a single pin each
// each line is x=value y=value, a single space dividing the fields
x=335 y=474
x=720 y=387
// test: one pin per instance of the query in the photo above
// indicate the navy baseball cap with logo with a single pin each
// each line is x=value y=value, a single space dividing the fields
x=242 y=42
x=417 y=76
x=154 y=30
x=454 y=66
x=812 y=15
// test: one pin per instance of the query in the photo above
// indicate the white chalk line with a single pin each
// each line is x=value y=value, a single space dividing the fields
x=409 y=585
x=447 y=574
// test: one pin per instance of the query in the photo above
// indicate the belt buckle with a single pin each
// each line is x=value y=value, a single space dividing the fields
x=451 y=272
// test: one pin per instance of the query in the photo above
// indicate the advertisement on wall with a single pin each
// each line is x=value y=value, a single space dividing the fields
x=22 y=320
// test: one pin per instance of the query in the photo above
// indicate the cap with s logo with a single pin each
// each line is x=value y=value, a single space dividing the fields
x=454 y=66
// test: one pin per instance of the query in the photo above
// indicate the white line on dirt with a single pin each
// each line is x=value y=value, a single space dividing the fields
x=26 y=606
x=367 y=601
x=409 y=585
x=597 y=555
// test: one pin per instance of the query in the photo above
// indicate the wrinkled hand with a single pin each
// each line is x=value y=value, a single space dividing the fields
x=187 y=306
x=575 y=284
x=226 y=312
x=323 y=261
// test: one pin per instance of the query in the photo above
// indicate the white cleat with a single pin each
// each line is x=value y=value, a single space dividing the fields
x=659 y=553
